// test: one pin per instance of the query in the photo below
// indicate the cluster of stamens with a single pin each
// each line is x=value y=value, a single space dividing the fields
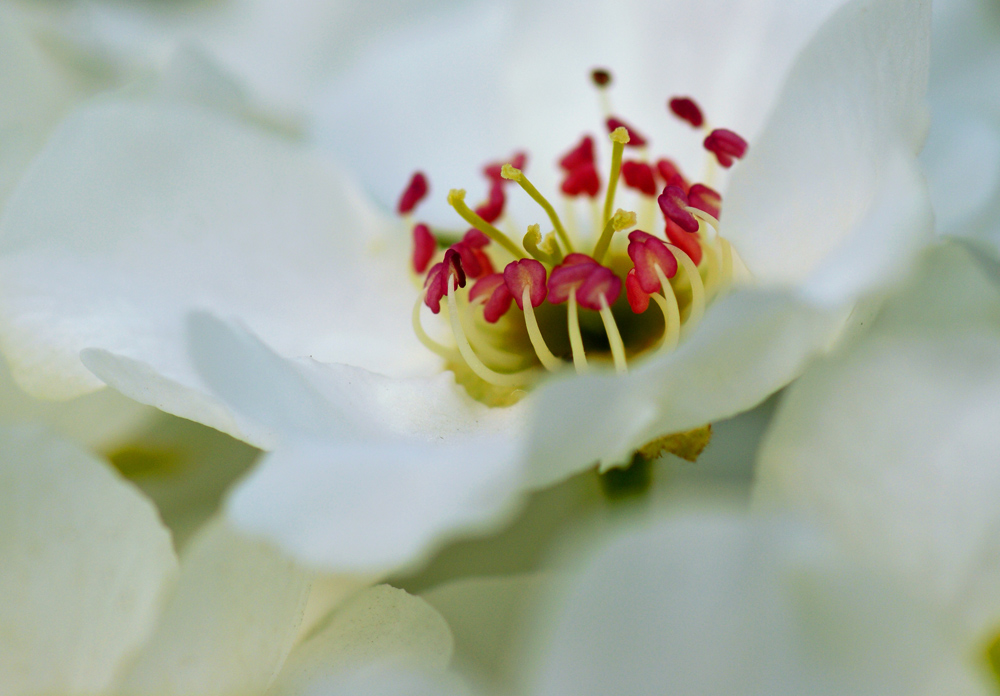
x=567 y=286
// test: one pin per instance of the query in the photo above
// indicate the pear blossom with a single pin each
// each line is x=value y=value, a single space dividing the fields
x=140 y=210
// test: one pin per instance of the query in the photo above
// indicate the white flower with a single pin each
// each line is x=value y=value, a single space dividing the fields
x=139 y=211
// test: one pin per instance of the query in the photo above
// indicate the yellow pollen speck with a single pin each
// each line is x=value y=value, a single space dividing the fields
x=620 y=135
x=456 y=196
x=622 y=220
x=510 y=172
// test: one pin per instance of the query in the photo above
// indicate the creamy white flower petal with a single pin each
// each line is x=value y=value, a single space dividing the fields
x=229 y=624
x=833 y=173
x=390 y=680
x=892 y=443
x=381 y=625
x=85 y=564
x=717 y=604
x=131 y=217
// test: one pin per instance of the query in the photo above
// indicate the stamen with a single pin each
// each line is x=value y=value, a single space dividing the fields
x=726 y=145
x=582 y=154
x=638 y=299
x=493 y=169
x=515 y=379
x=456 y=199
x=515 y=174
x=688 y=241
x=673 y=202
x=575 y=338
x=581 y=180
x=449 y=354
x=639 y=176
x=531 y=241
x=671 y=174
x=436 y=282
x=649 y=253
x=621 y=220
x=686 y=109
x=498 y=296
x=601 y=77
x=615 y=123
x=545 y=356
x=707 y=199
x=671 y=313
x=414 y=192
x=619 y=138
x=614 y=337
x=424 y=246
x=492 y=209
x=481 y=344
x=697 y=310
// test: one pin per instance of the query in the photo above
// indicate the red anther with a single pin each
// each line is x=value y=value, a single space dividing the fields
x=498 y=296
x=424 y=246
x=638 y=299
x=639 y=175
x=582 y=154
x=413 y=194
x=436 y=283
x=582 y=180
x=673 y=202
x=493 y=208
x=475 y=239
x=685 y=241
x=568 y=276
x=526 y=273
x=726 y=145
x=474 y=261
x=671 y=174
x=686 y=109
x=634 y=138
x=493 y=169
x=704 y=198
x=601 y=77
x=647 y=252
x=602 y=282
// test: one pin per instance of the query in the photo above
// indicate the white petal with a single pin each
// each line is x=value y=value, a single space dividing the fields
x=230 y=623
x=833 y=172
x=713 y=604
x=892 y=443
x=380 y=625
x=135 y=214
x=85 y=565
x=389 y=680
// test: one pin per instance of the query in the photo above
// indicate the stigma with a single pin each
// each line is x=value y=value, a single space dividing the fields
x=603 y=288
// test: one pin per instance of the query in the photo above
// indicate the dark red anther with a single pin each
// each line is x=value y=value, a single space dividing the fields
x=498 y=297
x=436 y=283
x=424 y=246
x=493 y=208
x=704 y=198
x=686 y=109
x=727 y=146
x=493 y=169
x=634 y=138
x=685 y=241
x=639 y=175
x=526 y=273
x=671 y=174
x=582 y=180
x=601 y=283
x=601 y=77
x=673 y=202
x=638 y=299
x=474 y=261
x=647 y=252
x=580 y=155
x=415 y=192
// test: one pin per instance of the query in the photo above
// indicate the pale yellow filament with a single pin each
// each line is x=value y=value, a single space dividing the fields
x=619 y=138
x=671 y=313
x=449 y=354
x=697 y=288
x=575 y=338
x=515 y=174
x=614 y=337
x=456 y=199
x=545 y=356
x=480 y=343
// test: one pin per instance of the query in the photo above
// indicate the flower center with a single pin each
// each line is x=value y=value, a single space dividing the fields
x=520 y=306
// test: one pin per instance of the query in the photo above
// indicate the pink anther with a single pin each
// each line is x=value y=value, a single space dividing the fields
x=498 y=297
x=424 y=246
x=602 y=283
x=582 y=180
x=475 y=239
x=671 y=174
x=685 y=241
x=415 y=192
x=647 y=253
x=586 y=279
x=580 y=155
x=727 y=146
x=526 y=273
x=639 y=175
x=686 y=109
x=436 y=283
x=638 y=299
x=635 y=138
x=493 y=169
x=704 y=198
x=673 y=202
x=475 y=262
x=492 y=209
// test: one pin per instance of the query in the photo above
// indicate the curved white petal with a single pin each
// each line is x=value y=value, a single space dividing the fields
x=135 y=214
x=717 y=604
x=230 y=623
x=381 y=625
x=85 y=565
x=833 y=173
x=891 y=444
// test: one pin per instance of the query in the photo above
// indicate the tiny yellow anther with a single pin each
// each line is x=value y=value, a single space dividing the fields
x=620 y=135
x=509 y=171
